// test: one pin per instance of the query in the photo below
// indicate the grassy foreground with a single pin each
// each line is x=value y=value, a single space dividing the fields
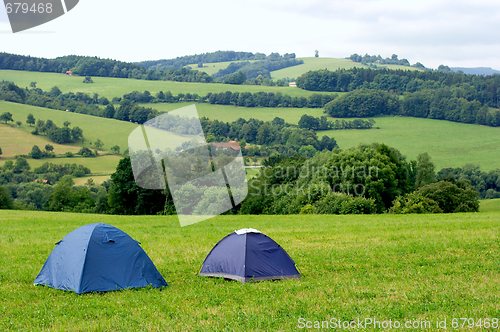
x=386 y=267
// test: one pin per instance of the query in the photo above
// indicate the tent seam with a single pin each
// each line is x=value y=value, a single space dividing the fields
x=245 y=259
x=85 y=260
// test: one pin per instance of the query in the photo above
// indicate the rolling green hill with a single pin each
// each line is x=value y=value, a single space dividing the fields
x=450 y=144
x=117 y=87
x=100 y=166
x=17 y=141
x=332 y=64
x=111 y=132
x=398 y=267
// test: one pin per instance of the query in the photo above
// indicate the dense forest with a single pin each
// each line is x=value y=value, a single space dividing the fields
x=219 y=56
x=362 y=180
x=377 y=59
x=430 y=94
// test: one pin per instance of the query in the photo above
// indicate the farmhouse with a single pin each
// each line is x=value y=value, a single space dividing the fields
x=233 y=145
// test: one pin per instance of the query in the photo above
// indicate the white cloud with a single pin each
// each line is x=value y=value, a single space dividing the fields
x=431 y=31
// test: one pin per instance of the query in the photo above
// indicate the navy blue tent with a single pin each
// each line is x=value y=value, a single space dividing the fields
x=98 y=258
x=248 y=255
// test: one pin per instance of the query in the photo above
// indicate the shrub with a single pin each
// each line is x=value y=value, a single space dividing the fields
x=307 y=209
x=5 y=199
x=450 y=197
x=86 y=153
x=415 y=203
x=335 y=203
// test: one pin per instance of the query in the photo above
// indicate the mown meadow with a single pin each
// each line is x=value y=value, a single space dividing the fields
x=395 y=267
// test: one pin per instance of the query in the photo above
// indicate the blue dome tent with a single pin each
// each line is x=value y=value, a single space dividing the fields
x=248 y=255
x=98 y=258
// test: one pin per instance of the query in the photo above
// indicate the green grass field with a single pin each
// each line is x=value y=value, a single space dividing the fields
x=382 y=266
x=111 y=132
x=103 y=165
x=490 y=205
x=117 y=87
x=213 y=67
x=98 y=180
x=16 y=141
x=450 y=144
x=232 y=113
x=332 y=64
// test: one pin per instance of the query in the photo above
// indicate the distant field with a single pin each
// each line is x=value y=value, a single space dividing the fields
x=99 y=166
x=231 y=113
x=311 y=64
x=19 y=141
x=117 y=87
x=490 y=205
x=98 y=180
x=332 y=64
x=450 y=144
x=214 y=67
x=111 y=132
x=387 y=267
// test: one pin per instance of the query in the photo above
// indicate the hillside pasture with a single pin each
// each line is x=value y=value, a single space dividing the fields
x=450 y=144
x=111 y=132
x=332 y=64
x=16 y=141
x=117 y=87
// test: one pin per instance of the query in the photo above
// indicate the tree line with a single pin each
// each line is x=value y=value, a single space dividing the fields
x=485 y=89
x=270 y=137
x=211 y=57
x=255 y=72
x=365 y=179
x=244 y=99
x=438 y=104
x=94 y=66
x=377 y=59
x=362 y=180
x=322 y=123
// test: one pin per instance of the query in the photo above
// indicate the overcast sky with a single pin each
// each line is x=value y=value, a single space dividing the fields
x=434 y=32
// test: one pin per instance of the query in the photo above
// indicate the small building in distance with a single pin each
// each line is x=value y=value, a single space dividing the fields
x=292 y=84
x=233 y=145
